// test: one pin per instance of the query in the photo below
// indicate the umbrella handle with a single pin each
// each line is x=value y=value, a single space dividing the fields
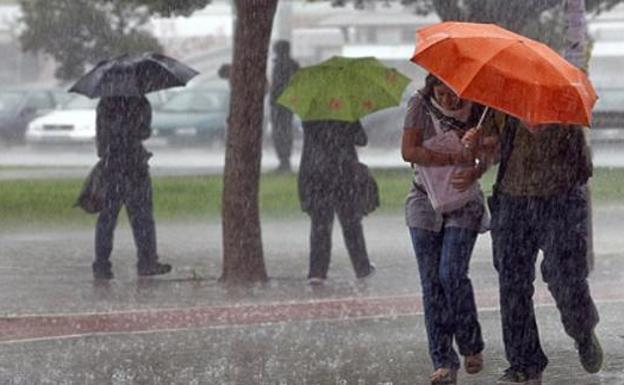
x=481 y=119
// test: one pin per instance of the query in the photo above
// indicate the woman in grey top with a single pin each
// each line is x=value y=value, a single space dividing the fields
x=443 y=241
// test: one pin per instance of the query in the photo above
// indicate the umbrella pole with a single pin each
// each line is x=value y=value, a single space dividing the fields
x=485 y=111
x=481 y=119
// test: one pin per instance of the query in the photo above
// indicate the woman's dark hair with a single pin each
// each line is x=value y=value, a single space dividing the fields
x=430 y=82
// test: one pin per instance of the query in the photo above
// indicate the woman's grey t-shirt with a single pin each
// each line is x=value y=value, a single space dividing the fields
x=419 y=212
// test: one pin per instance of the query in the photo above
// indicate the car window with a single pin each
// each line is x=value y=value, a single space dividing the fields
x=196 y=100
x=610 y=100
x=157 y=99
x=40 y=100
x=62 y=97
x=9 y=100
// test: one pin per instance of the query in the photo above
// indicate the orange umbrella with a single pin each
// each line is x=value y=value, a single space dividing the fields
x=506 y=71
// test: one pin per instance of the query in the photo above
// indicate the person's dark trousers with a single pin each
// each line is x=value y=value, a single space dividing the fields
x=136 y=194
x=282 y=133
x=521 y=226
x=450 y=310
x=320 y=241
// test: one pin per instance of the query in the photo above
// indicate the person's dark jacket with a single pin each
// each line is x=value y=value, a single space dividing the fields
x=122 y=123
x=329 y=165
x=284 y=68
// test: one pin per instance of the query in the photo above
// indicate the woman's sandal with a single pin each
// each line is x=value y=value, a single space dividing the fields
x=473 y=363
x=444 y=376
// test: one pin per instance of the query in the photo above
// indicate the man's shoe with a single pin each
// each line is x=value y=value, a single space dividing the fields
x=102 y=270
x=371 y=272
x=535 y=379
x=155 y=268
x=316 y=281
x=473 y=363
x=590 y=353
x=444 y=376
x=103 y=274
x=513 y=377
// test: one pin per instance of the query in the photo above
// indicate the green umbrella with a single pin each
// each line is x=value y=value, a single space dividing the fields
x=343 y=89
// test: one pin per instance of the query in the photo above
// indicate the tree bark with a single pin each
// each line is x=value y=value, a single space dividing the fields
x=243 y=259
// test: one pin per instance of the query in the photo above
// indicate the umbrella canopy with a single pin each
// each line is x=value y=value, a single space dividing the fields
x=343 y=89
x=133 y=75
x=509 y=72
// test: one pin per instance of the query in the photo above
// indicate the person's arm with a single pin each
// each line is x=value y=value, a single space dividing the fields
x=412 y=148
x=359 y=136
x=486 y=155
x=413 y=151
x=101 y=134
x=464 y=178
x=145 y=123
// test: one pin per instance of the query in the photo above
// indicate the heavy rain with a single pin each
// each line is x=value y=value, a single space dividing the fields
x=311 y=192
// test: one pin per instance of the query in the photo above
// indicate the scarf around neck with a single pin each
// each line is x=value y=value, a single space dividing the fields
x=455 y=120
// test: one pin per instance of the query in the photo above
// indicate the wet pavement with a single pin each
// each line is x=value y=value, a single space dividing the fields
x=59 y=326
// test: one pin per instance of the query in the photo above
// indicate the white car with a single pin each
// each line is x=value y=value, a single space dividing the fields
x=73 y=122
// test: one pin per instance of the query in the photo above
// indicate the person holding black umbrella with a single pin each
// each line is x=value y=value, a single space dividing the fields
x=123 y=122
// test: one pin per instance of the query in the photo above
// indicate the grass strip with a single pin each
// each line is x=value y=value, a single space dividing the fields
x=49 y=201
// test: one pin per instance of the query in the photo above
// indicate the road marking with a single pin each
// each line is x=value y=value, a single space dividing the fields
x=41 y=327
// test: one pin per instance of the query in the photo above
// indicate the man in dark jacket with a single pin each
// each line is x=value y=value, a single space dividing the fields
x=284 y=67
x=328 y=184
x=539 y=204
x=121 y=126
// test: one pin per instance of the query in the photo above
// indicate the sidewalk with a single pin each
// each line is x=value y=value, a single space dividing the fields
x=60 y=326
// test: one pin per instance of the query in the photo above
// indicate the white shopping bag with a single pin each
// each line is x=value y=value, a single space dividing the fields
x=437 y=179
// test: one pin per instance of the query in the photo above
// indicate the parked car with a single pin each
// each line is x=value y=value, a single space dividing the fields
x=196 y=114
x=73 y=122
x=19 y=106
x=384 y=128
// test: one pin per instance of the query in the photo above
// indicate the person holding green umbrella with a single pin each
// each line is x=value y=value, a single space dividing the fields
x=330 y=98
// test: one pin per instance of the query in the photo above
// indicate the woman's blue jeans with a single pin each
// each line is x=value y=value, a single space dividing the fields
x=450 y=310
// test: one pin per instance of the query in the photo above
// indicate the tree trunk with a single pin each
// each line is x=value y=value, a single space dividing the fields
x=576 y=52
x=242 y=242
x=576 y=34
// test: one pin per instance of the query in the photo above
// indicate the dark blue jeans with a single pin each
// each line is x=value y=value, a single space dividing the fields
x=136 y=194
x=450 y=310
x=521 y=226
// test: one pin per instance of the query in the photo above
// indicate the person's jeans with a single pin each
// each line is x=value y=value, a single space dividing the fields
x=320 y=241
x=136 y=195
x=450 y=310
x=521 y=226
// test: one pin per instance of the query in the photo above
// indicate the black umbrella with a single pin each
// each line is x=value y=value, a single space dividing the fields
x=133 y=75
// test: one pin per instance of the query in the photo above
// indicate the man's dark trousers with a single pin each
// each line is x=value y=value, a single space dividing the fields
x=521 y=226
